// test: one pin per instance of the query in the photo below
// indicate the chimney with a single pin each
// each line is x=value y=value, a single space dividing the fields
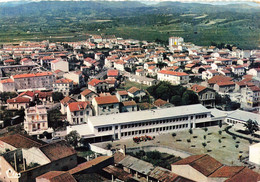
x=24 y=164
x=15 y=162
x=124 y=150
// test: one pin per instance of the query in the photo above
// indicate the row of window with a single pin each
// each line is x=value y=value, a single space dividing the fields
x=232 y=121
x=109 y=128
x=139 y=132
x=201 y=116
x=155 y=122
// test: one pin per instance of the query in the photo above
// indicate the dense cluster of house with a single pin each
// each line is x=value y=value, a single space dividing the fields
x=99 y=65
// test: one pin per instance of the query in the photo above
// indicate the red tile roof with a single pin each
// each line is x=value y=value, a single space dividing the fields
x=21 y=141
x=133 y=90
x=44 y=94
x=67 y=99
x=28 y=75
x=86 y=92
x=94 y=82
x=189 y=65
x=78 y=106
x=18 y=100
x=29 y=93
x=226 y=171
x=64 y=81
x=245 y=175
x=219 y=78
x=9 y=80
x=255 y=89
x=225 y=83
x=197 y=88
x=57 y=150
x=173 y=73
x=202 y=163
x=122 y=92
x=113 y=73
x=89 y=164
x=106 y=100
x=129 y=103
x=57 y=176
x=160 y=102
x=9 y=61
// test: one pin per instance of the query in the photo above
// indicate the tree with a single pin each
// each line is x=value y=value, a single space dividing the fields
x=204 y=137
x=176 y=100
x=57 y=96
x=251 y=126
x=54 y=119
x=234 y=137
x=220 y=124
x=205 y=129
x=190 y=131
x=73 y=138
x=219 y=132
x=204 y=145
x=236 y=145
x=174 y=134
x=189 y=97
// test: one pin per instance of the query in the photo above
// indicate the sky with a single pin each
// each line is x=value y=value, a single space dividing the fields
x=217 y=2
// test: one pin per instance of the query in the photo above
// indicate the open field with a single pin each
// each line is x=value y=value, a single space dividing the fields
x=225 y=152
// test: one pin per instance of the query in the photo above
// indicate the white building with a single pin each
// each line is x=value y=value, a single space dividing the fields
x=149 y=122
x=175 y=41
x=76 y=76
x=59 y=64
x=33 y=81
x=78 y=112
x=106 y=105
x=36 y=120
x=7 y=85
x=173 y=77
x=254 y=153
x=63 y=85
x=255 y=72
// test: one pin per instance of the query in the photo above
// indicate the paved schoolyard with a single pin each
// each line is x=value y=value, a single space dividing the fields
x=225 y=152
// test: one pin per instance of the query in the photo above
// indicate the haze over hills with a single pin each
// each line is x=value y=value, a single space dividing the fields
x=199 y=23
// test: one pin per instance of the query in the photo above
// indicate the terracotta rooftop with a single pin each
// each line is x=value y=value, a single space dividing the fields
x=205 y=164
x=86 y=92
x=28 y=75
x=21 y=141
x=18 y=100
x=118 y=173
x=63 y=81
x=129 y=103
x=226 y=171
x=219 y=78
x=89 y=164
x=225 y=83
x=57 y=150
x=9 y=80
x=94 y=82
x=160 y=102
x=133 y=90
x=67 y=99
x=197 y=88
x=173 y=73
x=78 y=106
x=255 y=88
x=122 y=92
x=106 y=100
x=57 y=176
x=245 y=175
x=112 y=73
x=29 y=93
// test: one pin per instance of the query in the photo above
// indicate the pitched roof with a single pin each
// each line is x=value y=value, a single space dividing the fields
x=88 y=164
x=122 y=92
x=198 y=88
x=78 y=106
x=9 y=80
x=173 y=73
x=57 y=176
x=245 y=175
x=63 y=81
x=106 y=100
x=112 y=72
x=133 y=90
x=118 y=173
x=67 y=99
x=202 y=163
x=28 y=75
x=160 y=102
x=129 y=103
x=255 y=88
x=29 y=93
x=44 y=94
x=57 y=150
x=225 y=83
x=21 y=141
x=86 y=92
x=226 y=171
x=18 y=100
x=219 y=78
x=94 y=82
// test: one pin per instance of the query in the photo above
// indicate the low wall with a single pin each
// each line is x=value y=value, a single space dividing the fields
x=100 y=150
x=161 y=149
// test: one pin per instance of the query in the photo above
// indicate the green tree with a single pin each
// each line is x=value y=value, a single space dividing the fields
x=176 y=100
x=54 y=119
x=73 y=138
x=189 y=97
x=57 y=96
x=219 y=132
x=251 y=126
